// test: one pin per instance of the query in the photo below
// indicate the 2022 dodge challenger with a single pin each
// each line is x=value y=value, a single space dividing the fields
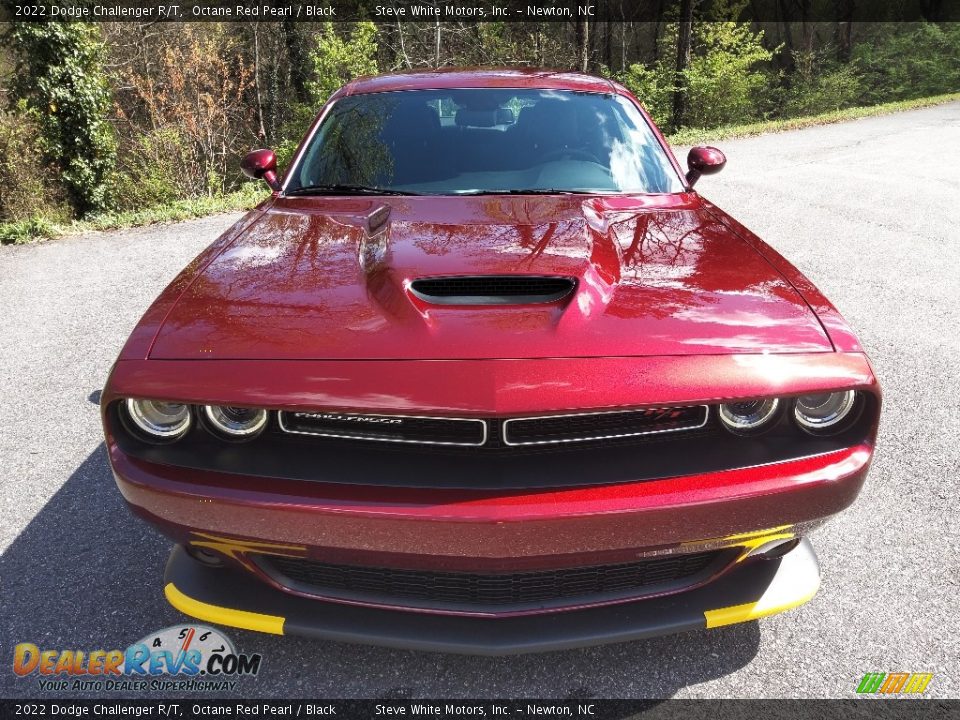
x=485 y=374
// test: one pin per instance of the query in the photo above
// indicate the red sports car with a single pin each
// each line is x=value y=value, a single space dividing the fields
x=485 y=374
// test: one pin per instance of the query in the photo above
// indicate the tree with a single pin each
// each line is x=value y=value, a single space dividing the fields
x=299 y=63
x=582 y=31
x=725 y=81
x=653 y=87
x=844 y=29
x=200 y=107
x=684 y=43
x=337 y=60
x=61 y=80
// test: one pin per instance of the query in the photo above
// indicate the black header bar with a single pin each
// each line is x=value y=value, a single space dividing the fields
x=454 y=11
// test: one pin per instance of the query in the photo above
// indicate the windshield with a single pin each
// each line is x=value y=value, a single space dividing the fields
x=486 y=140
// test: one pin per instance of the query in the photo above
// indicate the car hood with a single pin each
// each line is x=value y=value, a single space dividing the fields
x=328 y=278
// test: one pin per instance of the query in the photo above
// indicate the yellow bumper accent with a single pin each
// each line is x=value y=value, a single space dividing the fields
x=221 y=615
x=753 y=610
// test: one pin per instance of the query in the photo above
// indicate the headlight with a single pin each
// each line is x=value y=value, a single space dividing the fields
x=816 y=413
x=235 y=422
x=158 y=419
x=744 y=418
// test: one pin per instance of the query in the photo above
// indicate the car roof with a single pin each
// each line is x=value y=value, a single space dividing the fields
x=507 y=77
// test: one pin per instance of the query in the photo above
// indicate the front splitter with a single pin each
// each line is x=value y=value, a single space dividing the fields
x=754 y=589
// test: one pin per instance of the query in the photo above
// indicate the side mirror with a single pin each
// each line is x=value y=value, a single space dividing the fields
x=704 y=160
x=261 y=165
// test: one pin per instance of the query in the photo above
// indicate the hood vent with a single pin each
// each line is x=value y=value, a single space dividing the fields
x=492 y=289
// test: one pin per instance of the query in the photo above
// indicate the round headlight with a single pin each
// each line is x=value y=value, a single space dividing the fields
x=236 y=422
x=749 y=416
x=823 y=411
x=157 y=419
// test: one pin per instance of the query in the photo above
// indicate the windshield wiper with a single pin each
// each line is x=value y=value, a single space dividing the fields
x=345 y=189
x=532 y=191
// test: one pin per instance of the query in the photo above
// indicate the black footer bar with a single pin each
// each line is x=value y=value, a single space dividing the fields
x=872 y=709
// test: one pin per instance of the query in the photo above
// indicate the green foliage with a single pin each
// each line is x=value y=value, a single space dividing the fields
x=653 y=87
x=300 y=117
x=820 y=85
x=249 y=195
x=726 y=81
x=337 y=60
x=731 y=80
x=892 y=62
x=192 y=98
x=24 y=231
x=497 y=44
x=908 y=60
x=150 y=173
x=28 y=187
x=698 y=136
x=193 y=112
x=60 y=77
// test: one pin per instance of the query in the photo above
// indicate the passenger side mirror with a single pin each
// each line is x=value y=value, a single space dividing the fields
x=703 y=160
x=261 y=165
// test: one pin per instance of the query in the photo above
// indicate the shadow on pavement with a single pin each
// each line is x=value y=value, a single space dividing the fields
x=85 y=574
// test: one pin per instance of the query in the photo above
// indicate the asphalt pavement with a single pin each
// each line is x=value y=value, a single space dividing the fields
x=867 y=209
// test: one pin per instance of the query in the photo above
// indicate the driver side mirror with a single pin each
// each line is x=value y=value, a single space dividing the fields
x=703 y=160
x=261 y=165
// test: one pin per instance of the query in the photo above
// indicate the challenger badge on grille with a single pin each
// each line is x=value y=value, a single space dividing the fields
x=386 y=428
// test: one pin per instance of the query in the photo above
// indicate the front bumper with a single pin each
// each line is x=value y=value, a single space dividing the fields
x=487 y=531
x=753 y=589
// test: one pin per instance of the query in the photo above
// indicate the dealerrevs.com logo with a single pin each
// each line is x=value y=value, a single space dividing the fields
x=177 y=658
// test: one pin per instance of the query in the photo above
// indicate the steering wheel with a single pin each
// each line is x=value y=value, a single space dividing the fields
x=570 y=154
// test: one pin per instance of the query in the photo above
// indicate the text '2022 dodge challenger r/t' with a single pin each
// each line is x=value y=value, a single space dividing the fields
x=485 y=374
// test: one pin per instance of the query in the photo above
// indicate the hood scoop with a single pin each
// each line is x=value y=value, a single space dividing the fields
x=492 y=289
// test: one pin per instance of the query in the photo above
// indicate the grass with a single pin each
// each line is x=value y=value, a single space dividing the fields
x=38 y=228
x=695 y=136
x=250 y=194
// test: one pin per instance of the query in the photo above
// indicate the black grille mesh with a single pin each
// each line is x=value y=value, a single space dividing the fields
x=491 y=591
x=492 y=289
x=600 y=426
x=514 y=435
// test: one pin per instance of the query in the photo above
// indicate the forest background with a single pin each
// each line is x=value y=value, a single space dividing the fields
x=111 y=124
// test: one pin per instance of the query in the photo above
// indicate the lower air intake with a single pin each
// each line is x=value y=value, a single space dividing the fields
x=491 y=592
x=492 y=289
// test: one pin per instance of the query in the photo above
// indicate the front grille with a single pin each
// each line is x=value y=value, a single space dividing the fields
x=488 y=592
x=492 y=289
x=494 y=434
x=386 y=428
x=583 y=427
